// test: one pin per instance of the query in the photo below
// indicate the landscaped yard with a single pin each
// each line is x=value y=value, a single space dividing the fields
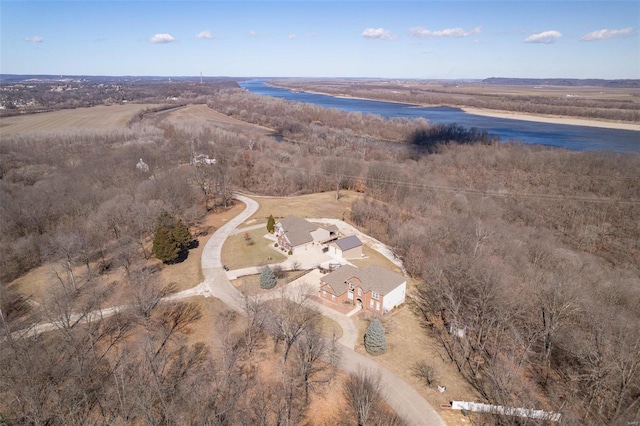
x=238 y=253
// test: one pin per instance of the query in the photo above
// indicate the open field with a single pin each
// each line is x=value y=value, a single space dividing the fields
x=102 y=118
x=205 y=116
x=323 y=204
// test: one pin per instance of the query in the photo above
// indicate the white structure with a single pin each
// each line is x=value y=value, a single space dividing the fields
x=507 y=411
x=142 y=166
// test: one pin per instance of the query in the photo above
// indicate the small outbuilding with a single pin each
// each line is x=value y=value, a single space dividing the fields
x=347 y=248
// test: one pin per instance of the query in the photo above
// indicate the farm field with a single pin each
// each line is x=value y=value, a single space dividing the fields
x=111 y=117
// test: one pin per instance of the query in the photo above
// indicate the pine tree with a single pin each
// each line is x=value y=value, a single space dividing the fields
x=165 y=247
x=374 y=341
x=267 y=278
x=271 y=224
x=182 y=235
x=171 y=238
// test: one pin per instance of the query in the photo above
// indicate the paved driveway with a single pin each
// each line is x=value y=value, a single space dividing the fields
x=408 y=403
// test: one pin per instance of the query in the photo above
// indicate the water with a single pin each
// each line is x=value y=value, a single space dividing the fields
x=576 y=138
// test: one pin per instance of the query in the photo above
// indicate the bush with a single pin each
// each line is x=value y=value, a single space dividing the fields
x=425 y=372
x=374 y=341
x=267 y=278
x=275 y=245
x=271 y=224
x=290 y=252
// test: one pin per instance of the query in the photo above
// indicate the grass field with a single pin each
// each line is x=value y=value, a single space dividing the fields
x=238 y=253
x=81 y=119
x=323 y=204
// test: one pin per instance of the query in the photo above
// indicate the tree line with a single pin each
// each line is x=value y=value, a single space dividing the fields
x=527 y=257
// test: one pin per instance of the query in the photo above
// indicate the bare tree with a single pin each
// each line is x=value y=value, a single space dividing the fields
x=362 y=391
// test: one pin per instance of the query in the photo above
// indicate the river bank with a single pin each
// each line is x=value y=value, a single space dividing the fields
x=571 y=121
x=507 y=115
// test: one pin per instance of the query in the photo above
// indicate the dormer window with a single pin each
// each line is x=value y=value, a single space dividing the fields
x=351 y=286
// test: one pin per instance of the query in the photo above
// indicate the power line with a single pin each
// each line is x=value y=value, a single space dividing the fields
x=470 y=191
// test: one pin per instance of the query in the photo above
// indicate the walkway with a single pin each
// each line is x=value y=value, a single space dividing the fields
x=405 y=400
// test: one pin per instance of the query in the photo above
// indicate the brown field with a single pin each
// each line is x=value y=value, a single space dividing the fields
x=206 y=117
x=81 y=119
x=323 y=204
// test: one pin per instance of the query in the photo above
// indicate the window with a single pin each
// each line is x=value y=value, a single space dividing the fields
x=350 y=285
x=377 y=306
x=324 y=293
x=333 y=297
x=350 y=295
x=371 y=303
x=375 y=295
x=359 y=291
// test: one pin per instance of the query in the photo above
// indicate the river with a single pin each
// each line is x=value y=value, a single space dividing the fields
x=576 y=138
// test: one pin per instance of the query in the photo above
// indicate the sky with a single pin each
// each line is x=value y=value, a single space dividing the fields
x=371 y=39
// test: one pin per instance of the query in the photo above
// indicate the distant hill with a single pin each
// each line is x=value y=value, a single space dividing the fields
x=562 y=82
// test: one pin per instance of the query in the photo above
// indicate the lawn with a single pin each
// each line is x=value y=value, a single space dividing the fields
x=238 y=253
x=408 y=343
x=323 y=204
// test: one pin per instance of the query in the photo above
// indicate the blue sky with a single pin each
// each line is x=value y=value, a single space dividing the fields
x=387 y=39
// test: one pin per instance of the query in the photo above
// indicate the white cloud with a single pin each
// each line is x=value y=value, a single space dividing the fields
x=422 y=32
x=162 y=39
x=34 y=39
x=292 y=36
x=546 y=37
x=204 y=34
x=605 y=34
x=378 y=33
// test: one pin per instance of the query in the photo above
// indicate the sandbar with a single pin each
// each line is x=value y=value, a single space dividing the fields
x=553 y=119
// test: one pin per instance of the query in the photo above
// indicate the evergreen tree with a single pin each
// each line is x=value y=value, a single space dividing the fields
x=182 y=235
x=165 y=247
x=271 y=224
x=171 y=238
x=267 y=278
x=374 y=341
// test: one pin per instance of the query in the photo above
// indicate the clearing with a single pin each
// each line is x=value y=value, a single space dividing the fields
x=95 y=118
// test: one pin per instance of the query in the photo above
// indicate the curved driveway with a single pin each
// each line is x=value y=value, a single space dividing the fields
x=408 y=403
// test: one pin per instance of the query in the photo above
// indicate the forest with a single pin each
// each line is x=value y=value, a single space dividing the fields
x=527 y=261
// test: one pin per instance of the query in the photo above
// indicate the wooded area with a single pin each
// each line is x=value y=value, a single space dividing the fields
x=528 y=260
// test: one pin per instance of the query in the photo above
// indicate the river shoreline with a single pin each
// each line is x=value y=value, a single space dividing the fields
x=508 y=115
x=570 y=121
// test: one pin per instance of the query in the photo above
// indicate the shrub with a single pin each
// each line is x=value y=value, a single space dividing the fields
x=271 y=224
x=267 y=278
x=374 y=341
x=290 y=252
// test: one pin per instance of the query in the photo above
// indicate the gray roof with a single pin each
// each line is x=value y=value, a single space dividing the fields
x=372 y=278
x=298 y=230
x=347 y=243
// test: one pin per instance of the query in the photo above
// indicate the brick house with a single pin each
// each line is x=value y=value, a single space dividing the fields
x=295 y=233
x=375 y=288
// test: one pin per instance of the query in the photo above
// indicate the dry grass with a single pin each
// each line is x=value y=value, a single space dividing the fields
x=98 y=118
x=409 y=343
x=238 y=253
x=323 y=204
x=374 y=257
x=205 y=116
